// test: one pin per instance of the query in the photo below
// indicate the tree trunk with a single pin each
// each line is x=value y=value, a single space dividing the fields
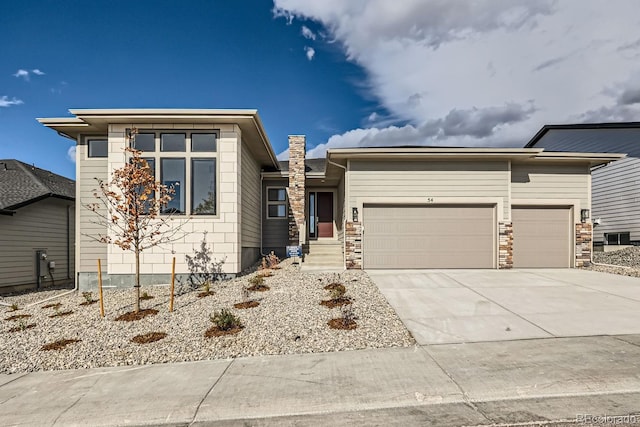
x=137 y=285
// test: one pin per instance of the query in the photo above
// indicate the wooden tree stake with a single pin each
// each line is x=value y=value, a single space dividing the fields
x=100 y=288
x=173 y=280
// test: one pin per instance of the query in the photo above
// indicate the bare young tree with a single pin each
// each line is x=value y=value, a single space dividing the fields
x=129 y=207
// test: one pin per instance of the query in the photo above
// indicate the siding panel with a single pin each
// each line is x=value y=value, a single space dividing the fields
x=42 y=225
x=428 y=179
x=88 y=249
x=275 y=232
x=616 y=198
x=550 y=181
x=250 y=200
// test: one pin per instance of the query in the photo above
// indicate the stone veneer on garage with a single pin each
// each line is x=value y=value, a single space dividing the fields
x=505 y=254
x=584 y=237
x=353 y=245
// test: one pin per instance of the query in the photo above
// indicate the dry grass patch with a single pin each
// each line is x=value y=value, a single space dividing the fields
x=148 y=338
x=246 y=304
x=53 y=305
x=336 y=287
x=58 y=345
x=342 y=324
x=61 y=313
x=132 y=315
x=215 y=331
x=21 y=328
x=18 y=317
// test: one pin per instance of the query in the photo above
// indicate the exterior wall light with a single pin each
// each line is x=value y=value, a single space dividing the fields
x=584 y=214
x=354 y=214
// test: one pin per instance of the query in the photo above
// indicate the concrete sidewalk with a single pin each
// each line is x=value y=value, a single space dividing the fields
x=449 y=384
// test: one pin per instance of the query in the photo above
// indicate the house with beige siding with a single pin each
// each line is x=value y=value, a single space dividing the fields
x=37 y=227
x=393 y=207
x=615 y=187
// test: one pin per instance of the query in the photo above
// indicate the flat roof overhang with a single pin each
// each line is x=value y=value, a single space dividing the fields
x=95 y=121
x=341 y=155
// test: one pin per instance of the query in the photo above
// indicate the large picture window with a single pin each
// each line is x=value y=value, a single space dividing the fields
x=173 y=174
x=187 y=162
x=276 y=202
x=203 y=186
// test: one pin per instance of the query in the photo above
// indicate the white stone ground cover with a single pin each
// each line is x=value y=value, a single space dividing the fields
x=288 y=320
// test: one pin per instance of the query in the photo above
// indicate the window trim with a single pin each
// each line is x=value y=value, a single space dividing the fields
x=215 y=185
x=187 y=155
x=619 y=235
x=204 y=132
x=284 y=202
x=97 y=138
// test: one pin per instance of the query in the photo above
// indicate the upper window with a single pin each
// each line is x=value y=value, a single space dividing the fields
x=144 y=142
x=276 y=202
x=202 y=142
x=98 y=148
x=173 y=142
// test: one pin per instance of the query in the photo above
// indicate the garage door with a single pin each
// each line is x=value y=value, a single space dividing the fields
x=442 y=236
x=542 y=237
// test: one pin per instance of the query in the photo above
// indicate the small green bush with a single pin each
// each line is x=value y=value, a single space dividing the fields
x=256 y=280
x=225 y=320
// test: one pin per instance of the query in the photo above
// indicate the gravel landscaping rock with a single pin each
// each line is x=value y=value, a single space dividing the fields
x=288 y=320
x=625 y=262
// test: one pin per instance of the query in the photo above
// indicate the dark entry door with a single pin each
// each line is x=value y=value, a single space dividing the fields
x=324 y=209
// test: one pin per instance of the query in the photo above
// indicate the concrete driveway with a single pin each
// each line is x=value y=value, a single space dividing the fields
x=455 y=306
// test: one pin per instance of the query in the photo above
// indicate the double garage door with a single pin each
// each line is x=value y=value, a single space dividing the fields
x=432 y=236
x=462 y=236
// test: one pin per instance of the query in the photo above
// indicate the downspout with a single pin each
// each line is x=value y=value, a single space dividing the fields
x=261 y=213
x=68 y=242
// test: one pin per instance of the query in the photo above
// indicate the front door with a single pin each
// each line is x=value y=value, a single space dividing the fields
x=320 y=214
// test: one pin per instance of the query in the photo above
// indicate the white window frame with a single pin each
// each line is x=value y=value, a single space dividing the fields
x=277 y=202
x=187 y=155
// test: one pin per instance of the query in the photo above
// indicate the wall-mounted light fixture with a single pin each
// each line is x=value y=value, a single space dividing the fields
x=354 y=214
x=584 y=214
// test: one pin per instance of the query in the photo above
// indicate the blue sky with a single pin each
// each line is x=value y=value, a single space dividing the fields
x=166 y=54
x=345 y=73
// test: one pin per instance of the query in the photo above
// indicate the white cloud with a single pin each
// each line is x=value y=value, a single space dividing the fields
x=311 y=52
x=487 y=72
x=71 y=153
x=6 y=102
x=26 y=75
x=307 y=33
x=22 y=74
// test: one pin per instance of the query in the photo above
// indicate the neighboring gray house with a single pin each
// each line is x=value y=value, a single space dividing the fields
x=37 y=227
x=616 y=186
x=384 y=207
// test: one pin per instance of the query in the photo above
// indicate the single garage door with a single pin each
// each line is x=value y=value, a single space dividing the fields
x=433 y=236
x=542 y=237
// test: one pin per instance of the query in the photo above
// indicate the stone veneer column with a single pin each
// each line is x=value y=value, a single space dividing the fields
x=584 y=235
x=353 y=245
x=296 y=190
x=505 y=235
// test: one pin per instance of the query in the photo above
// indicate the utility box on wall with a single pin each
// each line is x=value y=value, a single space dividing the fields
x=42 y=266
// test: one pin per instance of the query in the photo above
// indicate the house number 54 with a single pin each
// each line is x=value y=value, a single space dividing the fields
x=430 y=200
